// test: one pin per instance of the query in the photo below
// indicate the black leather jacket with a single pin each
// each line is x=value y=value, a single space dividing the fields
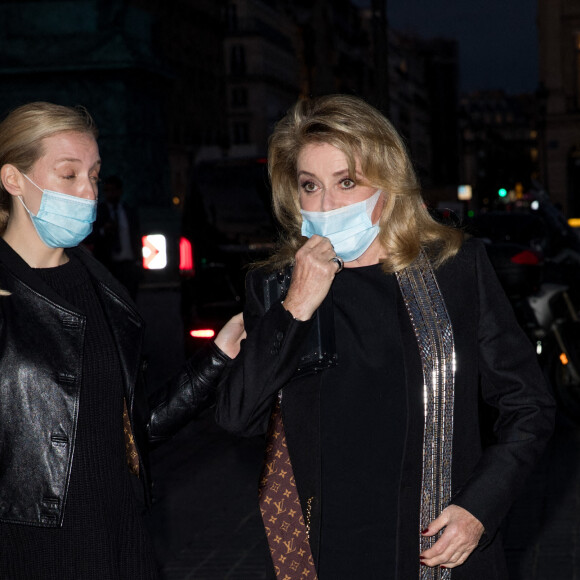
x=41 y=339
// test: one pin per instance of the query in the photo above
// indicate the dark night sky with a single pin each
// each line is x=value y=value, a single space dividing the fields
x=497 y=38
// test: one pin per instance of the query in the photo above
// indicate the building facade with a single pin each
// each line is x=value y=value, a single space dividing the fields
x=278 y=51
x=173 y=83
x=262 y=76
x=150 y=72
x=423 y=94
x=99 y=55
x=499 y=144
x=559 y=98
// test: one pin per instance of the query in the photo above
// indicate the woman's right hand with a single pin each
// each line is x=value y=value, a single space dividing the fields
x=231 y=335
x=312 y=277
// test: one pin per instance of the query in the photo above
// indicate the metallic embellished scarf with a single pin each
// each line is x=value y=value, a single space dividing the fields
x=434 y=335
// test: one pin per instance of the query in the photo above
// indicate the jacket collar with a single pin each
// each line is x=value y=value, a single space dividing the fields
x=21 y=272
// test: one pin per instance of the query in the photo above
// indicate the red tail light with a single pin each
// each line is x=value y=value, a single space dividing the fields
x=202 y=333
x=186 y=263
x=526 y=257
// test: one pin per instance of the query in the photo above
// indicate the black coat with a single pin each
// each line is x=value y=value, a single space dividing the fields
x=495 y=362
x=41 y=352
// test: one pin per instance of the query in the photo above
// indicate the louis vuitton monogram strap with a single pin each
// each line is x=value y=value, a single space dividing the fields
x=281 y=510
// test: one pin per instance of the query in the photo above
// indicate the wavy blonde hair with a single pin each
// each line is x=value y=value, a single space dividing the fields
x=21 y=138
x=362 y=133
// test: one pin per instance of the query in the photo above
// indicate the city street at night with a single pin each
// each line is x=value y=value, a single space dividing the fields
x=390 y=191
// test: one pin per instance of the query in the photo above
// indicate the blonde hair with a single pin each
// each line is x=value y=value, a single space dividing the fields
x=362 y=133
x=21 y=138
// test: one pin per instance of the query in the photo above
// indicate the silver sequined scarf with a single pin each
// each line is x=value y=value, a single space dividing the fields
x=434 y=336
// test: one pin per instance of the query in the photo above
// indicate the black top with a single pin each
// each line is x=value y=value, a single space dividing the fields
x=363 y=419
x=102 y=536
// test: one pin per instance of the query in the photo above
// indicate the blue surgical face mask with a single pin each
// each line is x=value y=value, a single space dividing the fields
x=63 y=221
x=349 y=229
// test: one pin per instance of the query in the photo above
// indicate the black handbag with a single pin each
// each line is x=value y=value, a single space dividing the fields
x=319 y=348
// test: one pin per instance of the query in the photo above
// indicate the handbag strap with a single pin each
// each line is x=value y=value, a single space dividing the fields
x=286 y=528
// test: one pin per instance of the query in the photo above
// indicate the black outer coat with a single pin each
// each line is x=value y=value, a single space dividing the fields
x=495 y=363
x=41 y=350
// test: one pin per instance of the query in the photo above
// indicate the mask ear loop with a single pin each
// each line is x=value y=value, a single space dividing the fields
x=22 y=199
x=24 y=174
x=371 y=206
x=22 y=202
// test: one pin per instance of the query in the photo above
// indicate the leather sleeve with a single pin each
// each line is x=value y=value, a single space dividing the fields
x=268 y=358
x=191 y=391
x=512 y=382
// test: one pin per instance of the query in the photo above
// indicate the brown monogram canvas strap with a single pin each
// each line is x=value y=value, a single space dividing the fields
x=130 y=447
x=281 y=510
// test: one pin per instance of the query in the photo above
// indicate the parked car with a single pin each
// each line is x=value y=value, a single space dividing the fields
x=227 y=225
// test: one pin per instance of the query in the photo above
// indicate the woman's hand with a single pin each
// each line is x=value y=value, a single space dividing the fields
x=462 y=534
x=311 y=278
x=230 y=336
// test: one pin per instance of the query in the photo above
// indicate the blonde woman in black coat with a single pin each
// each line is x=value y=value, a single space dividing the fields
x=74 y=421
x=377 y=330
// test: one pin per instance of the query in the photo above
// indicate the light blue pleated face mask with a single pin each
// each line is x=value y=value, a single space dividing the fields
x=349 y=229
x=63 y=221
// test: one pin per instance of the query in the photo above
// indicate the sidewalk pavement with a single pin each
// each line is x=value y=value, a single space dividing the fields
x=542 y=530
x=204 y=519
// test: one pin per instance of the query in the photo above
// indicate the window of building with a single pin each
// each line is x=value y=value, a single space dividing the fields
x=232 y=13
x=577 y=68
x=241 y=134
x=238 y=59
x=239 y=97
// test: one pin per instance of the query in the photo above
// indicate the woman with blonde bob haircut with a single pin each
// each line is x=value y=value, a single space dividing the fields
x=360 y=132
x=372 y=336
x=74 y=421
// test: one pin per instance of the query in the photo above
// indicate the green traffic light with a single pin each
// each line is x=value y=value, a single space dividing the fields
x=502 y=192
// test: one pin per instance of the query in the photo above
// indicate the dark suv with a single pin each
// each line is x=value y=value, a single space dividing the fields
x=227 y=225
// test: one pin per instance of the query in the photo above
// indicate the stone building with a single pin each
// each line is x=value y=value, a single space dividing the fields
x=96 y=54
x=262 y=72
x=277 y=51
x=422 y=89
x=172 y=83
x=499 y=143
x=559 y=96
x=150 y=72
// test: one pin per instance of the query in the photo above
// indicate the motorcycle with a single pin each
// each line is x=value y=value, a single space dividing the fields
x=547 y=314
